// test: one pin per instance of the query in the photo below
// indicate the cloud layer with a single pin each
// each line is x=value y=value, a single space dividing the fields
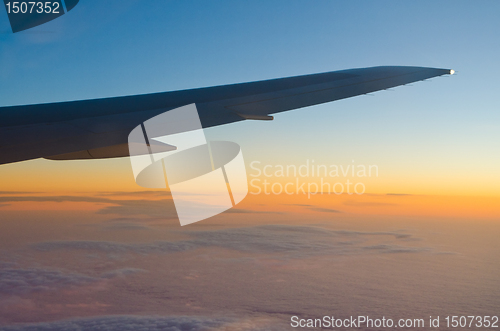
x=163 y=207
x=288 y=241
x=17 y=281
x=124 y=323
x=25 y=281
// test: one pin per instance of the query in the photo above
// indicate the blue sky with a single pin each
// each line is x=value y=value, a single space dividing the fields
x=445 y=127
x=127 y=47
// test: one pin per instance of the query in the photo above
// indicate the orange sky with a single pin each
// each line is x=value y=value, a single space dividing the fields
x=317 y=206
x=88 y=178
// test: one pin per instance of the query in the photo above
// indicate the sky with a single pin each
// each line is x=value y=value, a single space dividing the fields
x=434 y=137
x=81 y=245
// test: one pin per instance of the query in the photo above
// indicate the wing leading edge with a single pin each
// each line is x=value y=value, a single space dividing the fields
x=73 y=130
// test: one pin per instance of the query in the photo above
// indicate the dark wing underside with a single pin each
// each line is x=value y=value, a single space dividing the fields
x=100 y=127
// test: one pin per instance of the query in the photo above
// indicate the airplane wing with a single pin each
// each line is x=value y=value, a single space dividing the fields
x=99 y=128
